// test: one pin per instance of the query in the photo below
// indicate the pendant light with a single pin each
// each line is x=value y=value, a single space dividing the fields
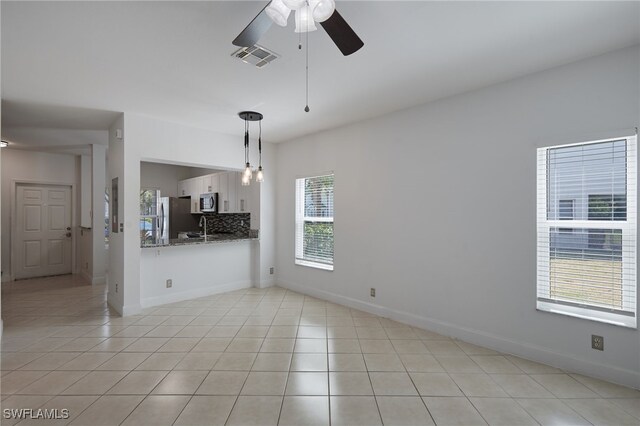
x=260 y=175
x=247 y=175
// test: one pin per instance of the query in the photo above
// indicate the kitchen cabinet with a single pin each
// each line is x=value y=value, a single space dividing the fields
x=244 y=197
x=228 y=183
x=183 y=188
x=191 y=188
x=210 y=183
x=249 y=202
x=195 y=187
x=232 y=196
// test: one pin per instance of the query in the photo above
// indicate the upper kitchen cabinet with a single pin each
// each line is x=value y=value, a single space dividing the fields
x=228 y=183
x=245 y=196
x=233 y=197
x=210 y=183
x=183 y=188
x=191 y=188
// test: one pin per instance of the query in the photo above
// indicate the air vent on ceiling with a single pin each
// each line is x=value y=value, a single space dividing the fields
x=255 y=55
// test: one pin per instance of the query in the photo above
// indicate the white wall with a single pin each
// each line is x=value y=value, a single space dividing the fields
x=435 y=208
x=115 y=169
x=39 y=167
x=153 y=140
x=195 y=271
x=85 y=252
x=164 y=177
x=98 y=184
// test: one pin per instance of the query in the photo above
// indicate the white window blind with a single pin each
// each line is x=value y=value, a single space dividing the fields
x=314 y=222
x=586 y=226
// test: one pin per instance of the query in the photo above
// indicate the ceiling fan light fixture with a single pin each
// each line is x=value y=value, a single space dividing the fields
x=294 y=4
x=278 y=12
x=322 y=9
x=304 y=20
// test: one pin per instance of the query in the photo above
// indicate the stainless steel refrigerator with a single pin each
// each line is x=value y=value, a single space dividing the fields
x=174 y=216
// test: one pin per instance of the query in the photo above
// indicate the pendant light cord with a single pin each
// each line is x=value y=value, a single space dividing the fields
x=260 y=145
x=246 y=141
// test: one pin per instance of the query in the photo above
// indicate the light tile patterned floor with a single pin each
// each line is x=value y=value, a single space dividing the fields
x=265 y=357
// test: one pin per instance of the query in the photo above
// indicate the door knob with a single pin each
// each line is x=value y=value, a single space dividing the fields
x=68 y=228
x=68 y=234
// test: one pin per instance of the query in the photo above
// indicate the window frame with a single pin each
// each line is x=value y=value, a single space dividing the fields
x=628 y=318
x=301 y=219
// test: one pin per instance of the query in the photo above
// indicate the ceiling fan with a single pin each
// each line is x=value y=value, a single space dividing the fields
x=307 y=13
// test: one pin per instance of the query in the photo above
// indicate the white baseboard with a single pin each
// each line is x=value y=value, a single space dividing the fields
x=131 y=310
x=266 y=283
x=477 y=337
x=93 y=280
x=192 y=294
x=98 y=280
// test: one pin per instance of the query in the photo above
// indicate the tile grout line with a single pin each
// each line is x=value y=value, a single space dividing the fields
x=286 y=383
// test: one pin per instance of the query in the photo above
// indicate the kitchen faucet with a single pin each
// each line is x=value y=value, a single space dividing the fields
x=203 y=223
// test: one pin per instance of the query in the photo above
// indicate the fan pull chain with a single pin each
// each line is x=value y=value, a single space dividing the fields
x=306 y=108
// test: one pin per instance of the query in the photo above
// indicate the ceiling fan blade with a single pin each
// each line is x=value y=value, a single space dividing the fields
x=255 y=30
x=342 y=34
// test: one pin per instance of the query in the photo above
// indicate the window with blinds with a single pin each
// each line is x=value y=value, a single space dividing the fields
x=314 y=222
x=586 y=226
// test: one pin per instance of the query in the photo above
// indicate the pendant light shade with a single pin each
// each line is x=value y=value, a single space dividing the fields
x=247 y=171
x=245 y=180
x=259 y=175
x=278 y=12
x=304 y=20
x=294 y=4
x=323 y=9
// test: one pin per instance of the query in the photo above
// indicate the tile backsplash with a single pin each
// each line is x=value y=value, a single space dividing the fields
x=229 y=223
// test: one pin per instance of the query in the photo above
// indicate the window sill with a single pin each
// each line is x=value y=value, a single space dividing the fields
x=316 y=265
x=588 y=314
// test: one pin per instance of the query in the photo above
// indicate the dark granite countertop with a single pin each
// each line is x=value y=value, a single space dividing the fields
x=211 y=239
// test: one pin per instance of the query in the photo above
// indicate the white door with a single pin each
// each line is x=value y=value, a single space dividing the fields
x=43 y=231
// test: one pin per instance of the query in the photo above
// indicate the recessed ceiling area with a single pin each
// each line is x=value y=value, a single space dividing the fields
x=75 y=64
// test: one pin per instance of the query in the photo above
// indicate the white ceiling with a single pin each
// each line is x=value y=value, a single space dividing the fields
x=72 y=64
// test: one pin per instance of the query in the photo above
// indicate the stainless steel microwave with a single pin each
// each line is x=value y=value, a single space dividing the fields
x=209 y=202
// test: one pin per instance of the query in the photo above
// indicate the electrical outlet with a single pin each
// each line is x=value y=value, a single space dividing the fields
x=116 y=287
x=373 y=292
x=597 y=342
x=271 y=270
x=169 y=283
